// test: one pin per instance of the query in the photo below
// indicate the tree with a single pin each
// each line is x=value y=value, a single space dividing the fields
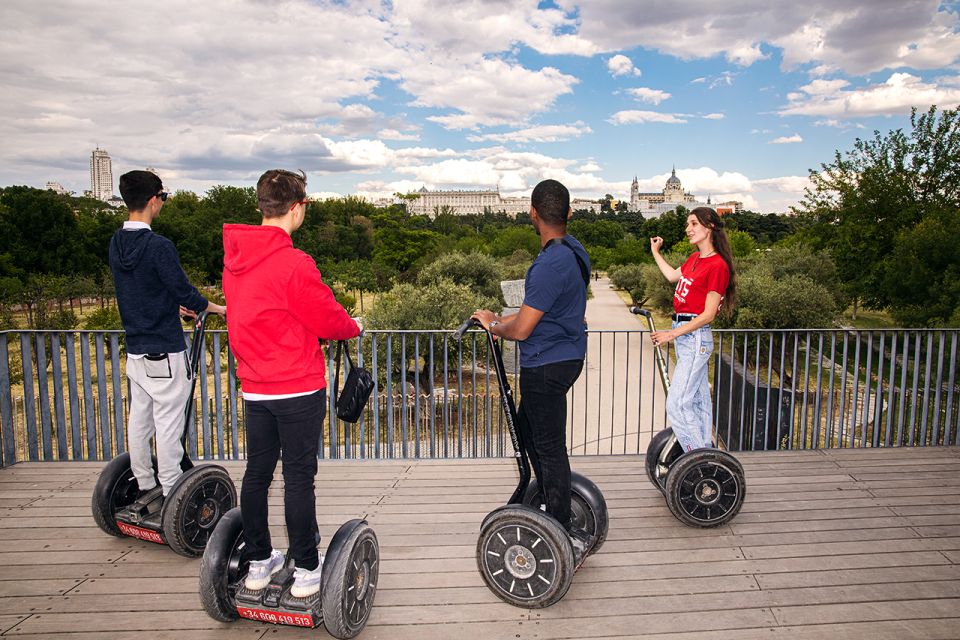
x=510 y=239
x=860 y=204
x=604 y=233
x=475 y=270
x=741 y=244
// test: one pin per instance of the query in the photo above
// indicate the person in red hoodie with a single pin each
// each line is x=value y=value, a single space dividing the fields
x=279 y=311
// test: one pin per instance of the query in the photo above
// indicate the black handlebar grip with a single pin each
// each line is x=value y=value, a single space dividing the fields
x=471 y=322
x=640 y=311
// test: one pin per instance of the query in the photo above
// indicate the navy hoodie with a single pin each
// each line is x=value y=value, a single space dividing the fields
x=151 y=286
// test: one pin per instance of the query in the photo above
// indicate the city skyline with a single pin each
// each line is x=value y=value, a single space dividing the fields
x=371 y=98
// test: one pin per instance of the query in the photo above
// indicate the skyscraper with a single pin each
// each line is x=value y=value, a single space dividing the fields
x=101 y=175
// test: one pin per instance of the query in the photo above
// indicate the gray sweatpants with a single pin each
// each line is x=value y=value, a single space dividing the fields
x=158 y=398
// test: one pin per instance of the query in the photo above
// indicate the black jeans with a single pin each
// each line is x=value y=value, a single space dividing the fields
x=543 y=428
x=290 y=429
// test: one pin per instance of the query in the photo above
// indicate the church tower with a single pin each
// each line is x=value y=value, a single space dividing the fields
x=634 y=195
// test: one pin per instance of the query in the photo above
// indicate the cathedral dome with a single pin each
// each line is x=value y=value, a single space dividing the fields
x=673 y=179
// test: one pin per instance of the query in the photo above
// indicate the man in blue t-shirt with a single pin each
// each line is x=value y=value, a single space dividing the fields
x=551 y=331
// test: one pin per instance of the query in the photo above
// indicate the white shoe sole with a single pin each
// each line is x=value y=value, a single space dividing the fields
x=256 y=585
x=303 y=593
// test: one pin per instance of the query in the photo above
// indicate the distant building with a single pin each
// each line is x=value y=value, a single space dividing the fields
x=728 y=207
x=654 y=204
x=101 y=175
x=56 y=187
x=430 y=203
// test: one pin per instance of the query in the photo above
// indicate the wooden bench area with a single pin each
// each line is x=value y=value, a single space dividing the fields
x=847 y=543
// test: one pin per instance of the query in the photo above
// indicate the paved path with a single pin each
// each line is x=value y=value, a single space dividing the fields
x=617 y=404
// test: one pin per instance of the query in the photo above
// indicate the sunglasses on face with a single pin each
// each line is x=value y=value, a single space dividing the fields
x=163 y=196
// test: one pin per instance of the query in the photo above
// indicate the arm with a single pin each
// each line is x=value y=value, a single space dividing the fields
x=175 y=280
x=709 y=312
x=670 y=273
x=518 y=326
x=312 y=303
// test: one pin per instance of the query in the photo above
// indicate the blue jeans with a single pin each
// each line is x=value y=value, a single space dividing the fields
x=689 y=408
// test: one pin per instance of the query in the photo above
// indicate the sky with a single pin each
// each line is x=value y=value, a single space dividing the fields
x=743 y=97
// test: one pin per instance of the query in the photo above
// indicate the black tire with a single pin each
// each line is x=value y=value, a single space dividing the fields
x=705 y=488
x=194 y=506
x=351 y=571
x=525 y=557
x=654 y=472
x=223 y=568
x=116 y=488
x=588 y=509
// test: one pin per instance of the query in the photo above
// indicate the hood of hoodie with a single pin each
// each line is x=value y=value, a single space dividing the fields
x=246 y=246
x=130 y=247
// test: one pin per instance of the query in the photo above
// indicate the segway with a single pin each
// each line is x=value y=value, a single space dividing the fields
x=703 y=487
x=526 y=557
x=184 y=520
x=351 y=569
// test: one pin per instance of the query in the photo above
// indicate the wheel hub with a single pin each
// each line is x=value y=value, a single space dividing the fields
x=207 y=515
x=362 y=580
x=520 y=562
x=708 y=491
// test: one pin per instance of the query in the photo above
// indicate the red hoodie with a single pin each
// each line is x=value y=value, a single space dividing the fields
x=279 y=309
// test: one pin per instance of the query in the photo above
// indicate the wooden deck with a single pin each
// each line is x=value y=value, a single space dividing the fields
x=830 y=544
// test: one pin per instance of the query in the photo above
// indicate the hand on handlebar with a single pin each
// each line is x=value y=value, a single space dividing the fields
x=484 y=317
x=187 y=314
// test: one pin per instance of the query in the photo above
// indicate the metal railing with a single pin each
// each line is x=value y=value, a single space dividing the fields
x=63 y=395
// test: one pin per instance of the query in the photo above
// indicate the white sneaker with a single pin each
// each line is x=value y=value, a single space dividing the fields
x=305 y=582
x=260 y=571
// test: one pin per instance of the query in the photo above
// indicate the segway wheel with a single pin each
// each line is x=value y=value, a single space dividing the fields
x=223 y=568
x=705 y=488
x=656 y=473
x=351 y=570
x=194 y=507
x=525 y=557
x=116 y=488
x=588 y=508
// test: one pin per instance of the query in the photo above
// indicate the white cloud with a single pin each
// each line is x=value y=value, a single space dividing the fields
x=621 y=65
x=393 y=134
x=714 y=116
x=699 y=80
x=895 y=96
x=590 y=167
x=784 y=184
x=640 y=117
x=541 y=133
x=650 y=96
x=787 y=139
x=854 y=36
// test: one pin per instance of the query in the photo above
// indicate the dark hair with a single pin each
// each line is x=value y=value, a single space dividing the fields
x=278 y=190
x=552 y=202
x=137 y=187
x=721 y=244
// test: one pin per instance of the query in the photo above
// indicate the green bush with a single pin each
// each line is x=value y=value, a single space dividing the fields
x=478 y=271
x=630 y=278
x=791 y=302
x=103 y=320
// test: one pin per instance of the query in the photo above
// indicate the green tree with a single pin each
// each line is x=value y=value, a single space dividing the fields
x=510 y=239
x=741 y=244
x=604 y=233
x=860 y=204
x=478 y=271
x=630 y=278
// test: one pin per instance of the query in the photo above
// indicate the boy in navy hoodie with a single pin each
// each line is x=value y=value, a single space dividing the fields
x=152 y=291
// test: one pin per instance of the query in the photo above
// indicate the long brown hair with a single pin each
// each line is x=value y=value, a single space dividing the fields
x=721 y=244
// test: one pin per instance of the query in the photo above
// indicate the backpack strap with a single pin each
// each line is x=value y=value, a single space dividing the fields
x=584 y=271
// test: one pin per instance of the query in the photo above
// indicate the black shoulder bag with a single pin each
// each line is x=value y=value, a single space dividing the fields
x=357 y=387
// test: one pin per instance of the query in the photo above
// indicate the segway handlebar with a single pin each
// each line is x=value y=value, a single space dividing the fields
x=657 y=351
x=462 y=329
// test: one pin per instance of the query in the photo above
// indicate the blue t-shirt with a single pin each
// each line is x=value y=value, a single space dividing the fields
x=554 y=285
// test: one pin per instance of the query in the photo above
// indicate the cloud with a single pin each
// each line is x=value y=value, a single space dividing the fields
x=784 y=184
x=895 y=96
x=640 y=117
x=393 y=134
x=650 y=96
x=855 y=37
x=590 y=167
x=621 y=65
x=714 y=116
x=787 y=139
x=699 y=80
x=542 y=133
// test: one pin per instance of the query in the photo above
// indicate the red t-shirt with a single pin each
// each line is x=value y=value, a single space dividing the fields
x=698 y=277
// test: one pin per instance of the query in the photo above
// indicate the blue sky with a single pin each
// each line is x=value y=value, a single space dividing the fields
x=743 y=97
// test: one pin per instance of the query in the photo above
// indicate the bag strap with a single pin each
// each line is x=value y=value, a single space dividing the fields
x=342 y=346
x=584 y=272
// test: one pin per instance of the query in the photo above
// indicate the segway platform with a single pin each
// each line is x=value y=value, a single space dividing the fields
x=274 y=603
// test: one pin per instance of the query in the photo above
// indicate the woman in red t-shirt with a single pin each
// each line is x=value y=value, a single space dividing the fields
x=704 y=283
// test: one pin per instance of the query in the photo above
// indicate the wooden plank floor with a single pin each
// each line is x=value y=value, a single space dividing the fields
x=831 y=544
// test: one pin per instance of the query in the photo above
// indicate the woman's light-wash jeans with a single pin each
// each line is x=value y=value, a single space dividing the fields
x=689 y=409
